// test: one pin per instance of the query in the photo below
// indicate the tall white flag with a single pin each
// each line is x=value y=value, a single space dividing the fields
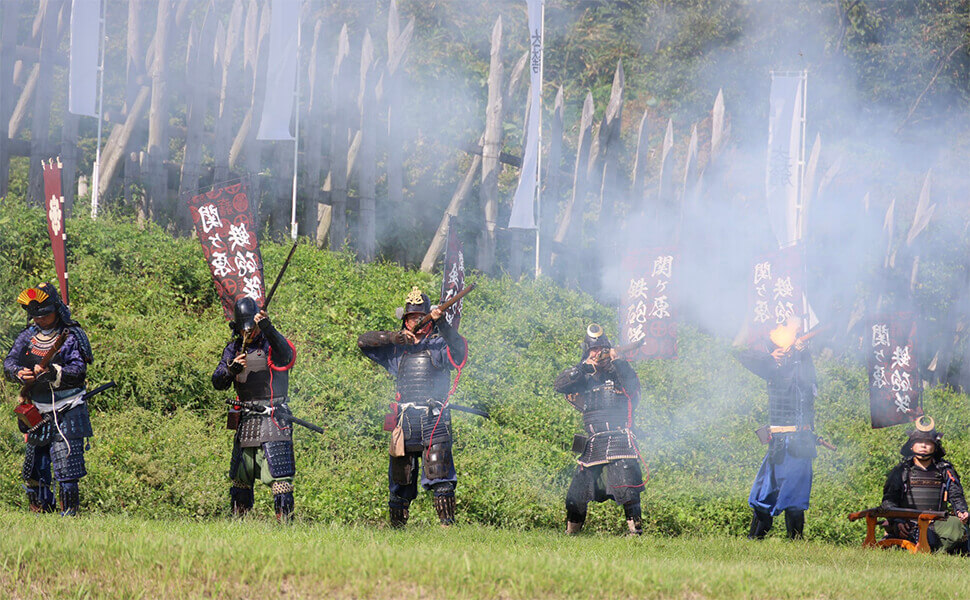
x=523 y=209
x=83 y=79
x=274 y=124
x=783 y=172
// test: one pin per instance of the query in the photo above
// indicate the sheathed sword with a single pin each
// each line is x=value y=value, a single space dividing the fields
x=470 y=410
x=267 y=410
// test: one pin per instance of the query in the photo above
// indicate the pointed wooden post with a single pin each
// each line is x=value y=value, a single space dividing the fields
x=568 y=235
x=40 y=143
x=689 y=189
x=135 y=76
x=158 y=115
x=609 y=150
x=490 y=152
x=638 y=185
x=198 y=69
x=666 y=210
x=229 y=41
x=367 y=170
x=339 y=138
x=553 y=182
x=397 y=47
x=313 y=135
x=9 y=18
x=441 y=234
x=718 y=131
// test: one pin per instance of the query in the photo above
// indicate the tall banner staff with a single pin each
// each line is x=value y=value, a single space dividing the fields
x=528 y=190
x=86 y=72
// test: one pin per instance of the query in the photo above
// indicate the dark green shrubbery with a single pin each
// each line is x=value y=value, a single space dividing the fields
x=161 y=447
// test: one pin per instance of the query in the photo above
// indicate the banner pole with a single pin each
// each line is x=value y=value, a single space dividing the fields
x=296 y=137
x=538 y=190
x=96 y=174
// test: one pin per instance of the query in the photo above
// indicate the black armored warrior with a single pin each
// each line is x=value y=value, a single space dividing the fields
x=257 y=364
x=924 y=481
x=56 y=441
x=606 y=390
x=421 y=361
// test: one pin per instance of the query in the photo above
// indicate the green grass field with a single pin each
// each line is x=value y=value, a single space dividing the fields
x=96 y=556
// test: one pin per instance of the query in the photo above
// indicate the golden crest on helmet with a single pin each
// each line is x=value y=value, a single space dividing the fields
x=415 y=297
x=594 y=330
x=925 y=423
x=32 y=295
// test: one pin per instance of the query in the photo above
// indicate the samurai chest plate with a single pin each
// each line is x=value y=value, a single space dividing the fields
x=420 y=380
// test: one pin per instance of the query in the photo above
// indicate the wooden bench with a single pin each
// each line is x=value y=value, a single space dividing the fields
x=923 y=519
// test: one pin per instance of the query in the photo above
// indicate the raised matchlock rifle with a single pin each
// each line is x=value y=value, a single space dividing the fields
x=444 y=307
x=248 y=336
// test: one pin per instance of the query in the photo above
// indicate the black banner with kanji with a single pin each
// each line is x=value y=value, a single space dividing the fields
x=775 y=292
x=453 y=276
x=895 y=387
x=224 y=222
x=647 y=309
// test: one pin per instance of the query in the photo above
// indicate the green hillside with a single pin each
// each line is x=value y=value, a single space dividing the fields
x=161 y=448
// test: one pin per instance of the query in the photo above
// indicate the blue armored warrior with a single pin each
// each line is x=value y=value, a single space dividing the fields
x=257 y=364
x=421 y=359
x=53 y=396
x=606 y=390
x=784 y=482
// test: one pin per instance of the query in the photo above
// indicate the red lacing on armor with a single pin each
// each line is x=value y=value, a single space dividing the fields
x=633 y=441
x=454 y=385
x=286 y=367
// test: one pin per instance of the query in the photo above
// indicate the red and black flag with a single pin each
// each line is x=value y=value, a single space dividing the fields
x=54 y=207
x=453 y=277
x=648 y=310
x=895 y=387
x=226 y=228
x=775 y=293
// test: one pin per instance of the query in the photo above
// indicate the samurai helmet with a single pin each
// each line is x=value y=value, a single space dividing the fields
x=244 y=315
x=39 y=301
x=925 y=432
x=595 y=338
x=416 y=303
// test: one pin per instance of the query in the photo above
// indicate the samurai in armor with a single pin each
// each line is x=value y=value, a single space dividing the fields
x=784 y=481
x=421 y=360
x=257 y=364
x=606 y=390
x=55 y=444
x=924 y=481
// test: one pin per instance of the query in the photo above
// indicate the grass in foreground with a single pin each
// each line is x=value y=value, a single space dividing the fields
x=116 y=557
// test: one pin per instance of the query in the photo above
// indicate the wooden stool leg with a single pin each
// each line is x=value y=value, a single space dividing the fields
x=924 y=543
x=870 y=540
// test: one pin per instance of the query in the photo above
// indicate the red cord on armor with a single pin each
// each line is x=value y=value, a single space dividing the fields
x=272 y=418
x=454 y=386
x=633 y=440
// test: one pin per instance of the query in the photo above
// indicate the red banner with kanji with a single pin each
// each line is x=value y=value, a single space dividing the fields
x=647 y=310
x=226 y=228
x=453 y=276
x=775 y=292
x=54 y=207
x=895 y=386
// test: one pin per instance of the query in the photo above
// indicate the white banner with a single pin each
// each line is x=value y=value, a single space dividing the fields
x=83 y=79
x=523 y=205
x=783 y=172
x=281 y=71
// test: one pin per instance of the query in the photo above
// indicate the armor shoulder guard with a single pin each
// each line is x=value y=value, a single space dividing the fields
x=83 y=343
